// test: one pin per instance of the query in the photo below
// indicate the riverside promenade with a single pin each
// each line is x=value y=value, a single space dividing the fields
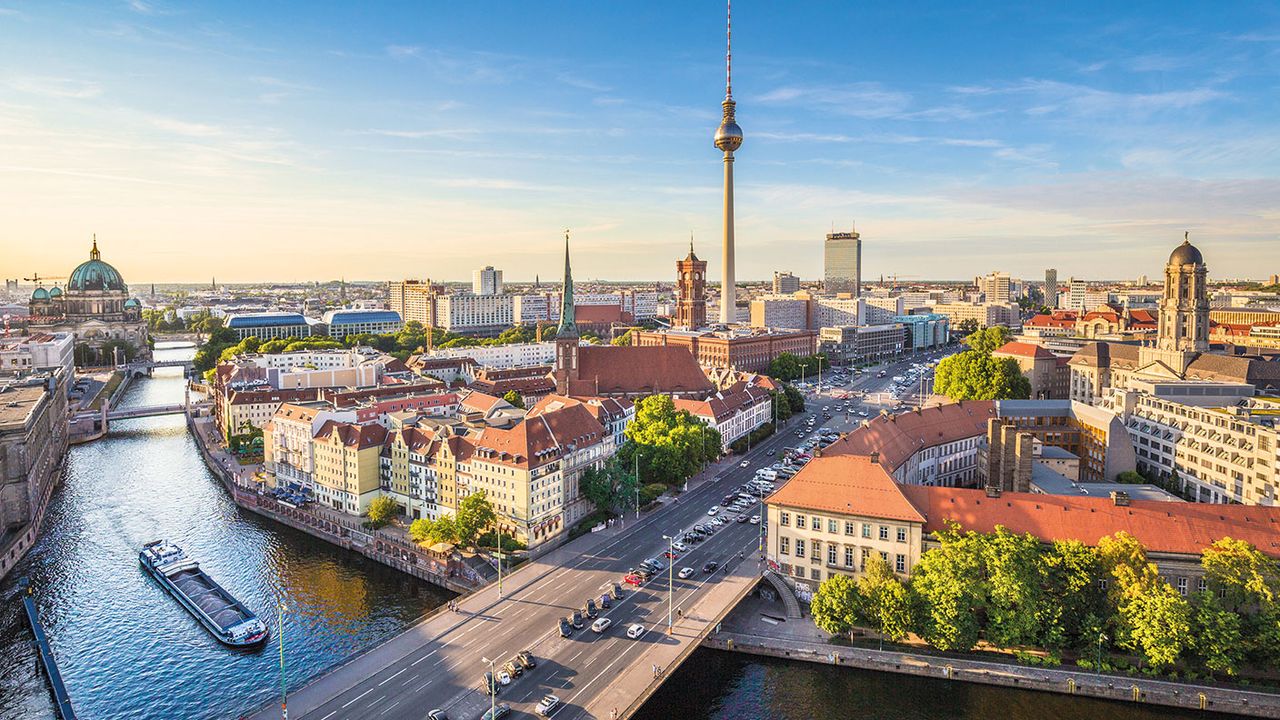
x=757 y=627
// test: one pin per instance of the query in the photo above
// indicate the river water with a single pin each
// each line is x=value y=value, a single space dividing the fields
x=127 y=650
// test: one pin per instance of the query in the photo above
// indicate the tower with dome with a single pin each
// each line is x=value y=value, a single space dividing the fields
x=95 y=306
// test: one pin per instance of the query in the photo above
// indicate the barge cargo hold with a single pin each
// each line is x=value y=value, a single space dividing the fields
x=225 y=617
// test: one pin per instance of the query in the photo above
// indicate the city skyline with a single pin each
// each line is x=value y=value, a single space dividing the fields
x=279 y=149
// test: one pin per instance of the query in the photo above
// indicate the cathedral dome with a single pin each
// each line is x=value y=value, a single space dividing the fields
x=40 y=294
x=55 y=292
x=1186 y=254
x=95 y=275
x=132 y=303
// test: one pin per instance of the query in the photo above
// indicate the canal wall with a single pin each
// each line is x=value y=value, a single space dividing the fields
x=1067 y=682
x=348 y=534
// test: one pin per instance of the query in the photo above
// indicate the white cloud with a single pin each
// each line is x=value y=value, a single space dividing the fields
x=189 y=129
x=403 y=52
x=58 y=87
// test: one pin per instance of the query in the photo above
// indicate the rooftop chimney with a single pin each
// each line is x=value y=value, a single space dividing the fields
x=1120 y=498
x=993 y=491
x=875 y=458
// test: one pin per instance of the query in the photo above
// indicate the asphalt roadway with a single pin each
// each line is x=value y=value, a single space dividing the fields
x=439 y=663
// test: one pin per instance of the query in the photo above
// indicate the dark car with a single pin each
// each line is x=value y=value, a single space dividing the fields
x=513 y=668
x=500 y=710
x=710 y=567
x=576 y=620
x=606 y=602
x=525 y=658
x=590 y=608
x=617 y=591
x=490 y=684
x=565 y=628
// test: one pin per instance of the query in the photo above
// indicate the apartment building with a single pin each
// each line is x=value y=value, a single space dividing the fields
x=985 y=314
x=346 y=468
x=289 y=452
x=931 y=446
x=863 y=343
x=342 y=323
x=734 y=412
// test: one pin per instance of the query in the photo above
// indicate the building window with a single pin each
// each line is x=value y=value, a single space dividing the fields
x=848 y=528
x=902 y=534
x=848 y=556
x=784 y=518
x=866 y=553
x=1182 y=586
x=815 y=550
x=900 y=563
x=831 y=554
x=784 y=545
x=800 y=521
x=866 y=530
x=816 y=523
x=832 y=526
x=884 y=532
x=1202 y=584
x=799 y=548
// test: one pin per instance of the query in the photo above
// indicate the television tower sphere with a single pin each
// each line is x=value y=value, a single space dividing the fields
x=728 y=135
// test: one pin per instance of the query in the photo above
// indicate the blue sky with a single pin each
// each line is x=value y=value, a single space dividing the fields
x=312 y=140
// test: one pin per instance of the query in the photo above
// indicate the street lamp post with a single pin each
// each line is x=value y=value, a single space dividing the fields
x=284 y=698
x=637 y=484
x=671 y=582
x=499 y=555
x=1097 y=668
x=493 y=685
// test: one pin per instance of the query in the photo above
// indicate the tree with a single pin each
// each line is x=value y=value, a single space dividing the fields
x=1248 y=584
x=443 y=530
x=988 y=340
x=1217 y=634
x=672 y=445
x=1150 y=617
x=1016 y=604
x=610 y=488
x=948 y=585
x=967 y=327
x=835 y=604
x=974 y=375
x=381 y=511
x=1074 y=615
x=514 y=398
x=622 y=340
x=475 y=513
x=1131 y=477
x=884 y=604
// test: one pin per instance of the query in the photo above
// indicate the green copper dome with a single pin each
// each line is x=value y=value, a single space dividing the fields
x=55 y=291
x=132 y=303
x=40 y=294
x=95 y=275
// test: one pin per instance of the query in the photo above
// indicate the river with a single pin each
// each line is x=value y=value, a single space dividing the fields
x=127 y=650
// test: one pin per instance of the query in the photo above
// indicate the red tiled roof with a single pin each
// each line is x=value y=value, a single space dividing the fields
x=539 y=439
x=354 y=436
x=724 y=404
x=600 y=314
x=610 y=370
x=898 y=437
x=850 y=484
x=482 y=402
x=1181 y=528
x=1023 y=349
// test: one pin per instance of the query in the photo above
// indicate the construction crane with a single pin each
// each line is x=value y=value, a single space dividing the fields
x=37 y=279
x=894 y=278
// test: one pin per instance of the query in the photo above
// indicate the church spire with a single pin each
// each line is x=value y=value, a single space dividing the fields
x=94 y=254
x=568 y=323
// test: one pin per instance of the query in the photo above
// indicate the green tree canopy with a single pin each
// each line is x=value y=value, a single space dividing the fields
x=988 y=340
x=948 y=582
x=975 y=375
x=883 y=601
x=835 y=604
x=475 y=514
x=381 y=510
x=672 y=445
x=514 y=398
x=611 y=488
x=428 y=531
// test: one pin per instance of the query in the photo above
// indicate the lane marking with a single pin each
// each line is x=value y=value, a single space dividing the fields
x=399 y=672
x=366 y=692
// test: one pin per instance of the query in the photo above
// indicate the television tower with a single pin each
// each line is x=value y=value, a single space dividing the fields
x=728 y=139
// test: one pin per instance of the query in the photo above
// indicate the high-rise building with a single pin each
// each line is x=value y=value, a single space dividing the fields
x=997 y=287
x=785 y=282
x=1051 y=288
x=486 y=281
x=728 y=138
x=842 y=263
x=691 y=296
x=1184 y=309
x=415 y=300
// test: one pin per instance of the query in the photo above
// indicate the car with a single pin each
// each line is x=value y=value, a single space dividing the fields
x=772 y=453
x=547 y=705
x=590 y=608
x=679 y=546
x=741 y=518
x=713 y=511
x=744 y=463
x=513 y=668
x=635 y=631
x=686 y=572
x=576 y=619
x=500 y=710
x=632 y=579
x=601 y=625
x=437 y=714
x=616 y=591
x=656 y=563
x=504 y=677
x=489 y=683
x=525 y=658
x=717 y=522
x=565 y=628
x=755 y=520
x=606 y=602
x=710 y=567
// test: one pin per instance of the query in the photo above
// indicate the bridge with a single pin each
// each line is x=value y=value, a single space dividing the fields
x=144 y=367
x=440 y=662
x=147 y=411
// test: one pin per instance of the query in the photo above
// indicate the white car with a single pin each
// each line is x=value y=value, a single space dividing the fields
x=717 y=522
x=635 y=631
x=504 y=677
x=755 y=520
x=548 y=705
x=713 y=511
x=685 y=573
x=599 y=626
x=679 y=546
x=744 y=463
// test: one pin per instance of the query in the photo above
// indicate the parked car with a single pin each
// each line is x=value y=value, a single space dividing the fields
x=437 y=714
x=670 y=555
x=500 y=710
x=685 y=573
x=513 y=668
x=490 y=683
x=565 y=628
x=504 y=677
x=547 y=705
x=713 y=511
x=710 y=567
x=635 y=631
x=616 y=591
x=590 y=608
x=606 y=602
x=717 y=522
x=576 y=619
x=633 y=579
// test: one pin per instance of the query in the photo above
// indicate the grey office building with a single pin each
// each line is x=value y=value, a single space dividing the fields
x=1051 y=288
x=842 y=263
